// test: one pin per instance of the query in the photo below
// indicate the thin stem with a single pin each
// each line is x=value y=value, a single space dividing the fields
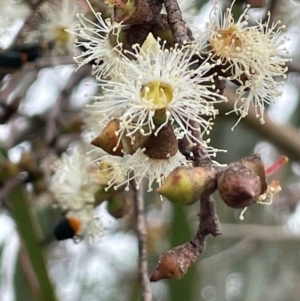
x=28 y=271
x=293 y=67
x=281 y=161
x=209 y=222
x=21 y=214
x=208 y=219
x=64 y=95
x=142 y=239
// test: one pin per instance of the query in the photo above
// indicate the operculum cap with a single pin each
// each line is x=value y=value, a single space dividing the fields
x=185 y=185
x=162 y=145
x=117 y=144
x=108 y=140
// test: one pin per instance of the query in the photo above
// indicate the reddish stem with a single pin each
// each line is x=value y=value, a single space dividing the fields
x=281 y=161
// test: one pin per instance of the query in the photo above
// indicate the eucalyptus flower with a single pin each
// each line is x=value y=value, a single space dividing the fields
x=249 y=56
x=97 y=42
x=159 y=87
x=56 y=18
x=72 y=184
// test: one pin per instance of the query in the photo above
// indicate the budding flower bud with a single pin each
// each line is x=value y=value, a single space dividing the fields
x=27 y=162
x=184 y=185
x=108 y=140
x=239 y=187
x=162 y=145
x=242 y=182
x=173 y=264
x=8 y=170
x=119 y=205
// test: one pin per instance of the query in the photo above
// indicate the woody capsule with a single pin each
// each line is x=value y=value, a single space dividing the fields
x=243 y=182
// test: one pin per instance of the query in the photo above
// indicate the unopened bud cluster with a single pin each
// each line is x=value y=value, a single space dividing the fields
x=240 y=184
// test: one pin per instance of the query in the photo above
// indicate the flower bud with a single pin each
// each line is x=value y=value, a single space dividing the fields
x=132 y=143
x=73 y=125
x=162 y=145
x=173 y=264
x=8 y=170
x=108 y=140
x=118 y=205
x=27 y=162
x=242 y=182
x=101 y=194
x=185 y=185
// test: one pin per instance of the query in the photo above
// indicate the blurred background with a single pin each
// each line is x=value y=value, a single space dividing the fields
x=41 y=101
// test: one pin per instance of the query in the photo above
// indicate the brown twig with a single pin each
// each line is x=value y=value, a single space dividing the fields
x=29 y=272
x=54 y=116
x=141 y=236
x=10 y=185
x=34 y=3
x=201 y=157
x=156 y=6
x=45 y=62
x=208 y=219
x=17 y=86
x=8 y=110
x=256 y=3
x=293 y=67
x=208 y=223
x=179 y=28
